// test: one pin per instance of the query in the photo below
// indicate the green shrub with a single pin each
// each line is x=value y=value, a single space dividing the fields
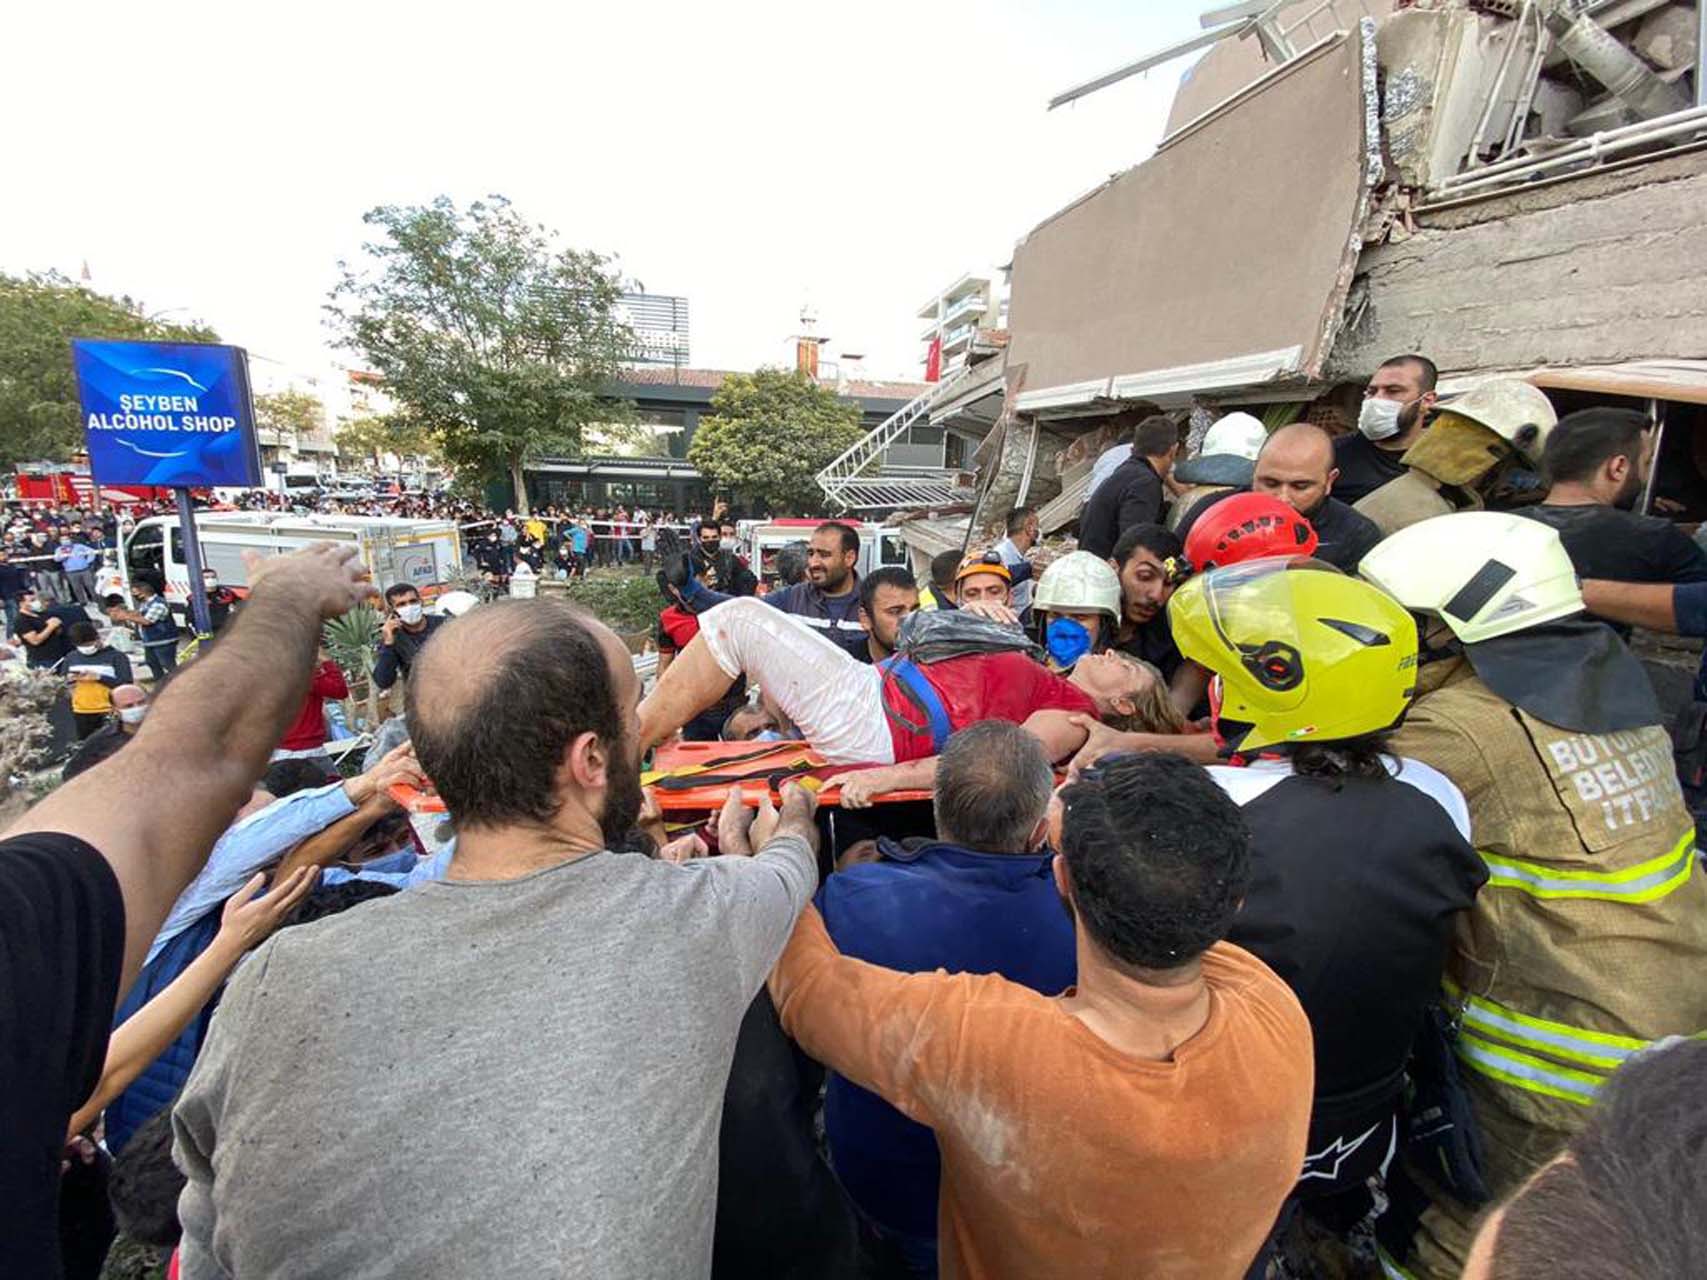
x=625 y=600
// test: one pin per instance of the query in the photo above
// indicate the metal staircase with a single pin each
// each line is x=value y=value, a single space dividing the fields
x=848 y=488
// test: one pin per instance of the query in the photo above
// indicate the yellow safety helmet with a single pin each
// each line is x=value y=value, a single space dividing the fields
x=1304 y=653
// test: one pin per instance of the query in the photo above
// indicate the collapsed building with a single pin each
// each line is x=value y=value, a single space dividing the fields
x=1509 y=187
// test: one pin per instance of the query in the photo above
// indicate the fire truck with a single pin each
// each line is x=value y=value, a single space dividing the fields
x=69 y=484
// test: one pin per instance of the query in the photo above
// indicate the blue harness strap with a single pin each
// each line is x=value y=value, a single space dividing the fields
x=923 y=695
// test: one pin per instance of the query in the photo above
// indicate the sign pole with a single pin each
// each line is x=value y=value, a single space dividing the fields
x=193 y=562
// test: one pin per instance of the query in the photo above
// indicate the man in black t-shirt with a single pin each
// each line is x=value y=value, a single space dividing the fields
x=1296 y=466
x=1395 y=407
x=88 y=875
x=1597 y=463
x=45 y=629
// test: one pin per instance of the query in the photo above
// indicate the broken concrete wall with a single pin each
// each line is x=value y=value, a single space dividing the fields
x=1605 y=267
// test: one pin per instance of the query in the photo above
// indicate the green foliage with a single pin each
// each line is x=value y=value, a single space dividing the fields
x=367 y=437
x=769 y=433
x=486 y=332
x=39 y=315
x=352 y=641
x=625 y=600
x=289 y=411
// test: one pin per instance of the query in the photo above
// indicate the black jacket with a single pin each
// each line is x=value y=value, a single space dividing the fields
x=836 y=616
x=394 y=658
x=1354 y=892
x=95 y=748
x=1131 y=495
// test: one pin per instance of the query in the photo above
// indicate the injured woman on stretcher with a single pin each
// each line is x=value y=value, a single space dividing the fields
x=899 y=714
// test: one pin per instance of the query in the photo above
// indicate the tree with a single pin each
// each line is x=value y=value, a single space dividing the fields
x=770 y=433
x=486 y=330
x=289 y=413
x=39 y=315
x=372 y=435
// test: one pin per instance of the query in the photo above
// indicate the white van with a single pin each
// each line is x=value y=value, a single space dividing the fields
x=426 y=554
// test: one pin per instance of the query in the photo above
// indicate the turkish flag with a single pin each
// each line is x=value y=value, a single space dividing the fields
x=933 y=361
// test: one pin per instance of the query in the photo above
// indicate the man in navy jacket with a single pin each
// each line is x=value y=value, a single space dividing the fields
x=978 y=899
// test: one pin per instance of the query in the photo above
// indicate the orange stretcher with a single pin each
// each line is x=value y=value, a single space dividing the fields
x=416 y=799
x=754 y=767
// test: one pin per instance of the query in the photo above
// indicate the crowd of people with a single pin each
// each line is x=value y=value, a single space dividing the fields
x=1305 y=880
x=561 y=541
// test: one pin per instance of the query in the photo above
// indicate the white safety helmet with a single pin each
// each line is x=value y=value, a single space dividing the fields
x=1484 y=573
x=453 y=604
x=1238 y=435
x=1515 y=411
x=1079 y=582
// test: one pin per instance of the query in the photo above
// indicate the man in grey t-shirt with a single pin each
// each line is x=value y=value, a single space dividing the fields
x=518 y=1070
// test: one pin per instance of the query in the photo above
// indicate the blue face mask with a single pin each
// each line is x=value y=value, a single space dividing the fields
x=1067 y=641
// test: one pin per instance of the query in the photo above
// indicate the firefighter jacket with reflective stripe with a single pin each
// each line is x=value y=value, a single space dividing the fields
x=1588 y=941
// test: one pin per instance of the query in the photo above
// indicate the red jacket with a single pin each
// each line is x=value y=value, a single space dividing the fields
x=309 y=729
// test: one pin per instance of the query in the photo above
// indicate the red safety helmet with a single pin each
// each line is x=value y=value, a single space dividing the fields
x=1247 y=526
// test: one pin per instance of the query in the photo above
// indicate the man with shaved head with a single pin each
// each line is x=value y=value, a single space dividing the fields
x=518 y=1069
x=1296 y=465
x=130 y=704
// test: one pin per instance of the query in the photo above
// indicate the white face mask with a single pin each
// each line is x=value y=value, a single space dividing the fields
x=409 y=613
x=728 y=544
x=1379 y=419
x=133 y=715
x=88 y=648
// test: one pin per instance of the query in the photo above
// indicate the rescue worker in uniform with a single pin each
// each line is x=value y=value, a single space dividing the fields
x=1361 y=864
x=1482 y=450
x=1078 y=602
x=1587 y=943
x=1226 y=462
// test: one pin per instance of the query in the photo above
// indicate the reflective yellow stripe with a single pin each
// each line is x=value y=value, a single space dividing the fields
x=1390 y=1269
x=1597 y=1049
x=1643 y=882
x=1530 y=1074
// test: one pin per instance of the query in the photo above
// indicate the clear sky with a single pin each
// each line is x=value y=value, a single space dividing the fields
x=215 y=160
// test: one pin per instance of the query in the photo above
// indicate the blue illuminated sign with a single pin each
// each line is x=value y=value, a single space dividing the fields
x=167 y=413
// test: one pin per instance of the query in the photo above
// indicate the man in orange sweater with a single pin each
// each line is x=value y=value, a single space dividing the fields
x=1147 y=1122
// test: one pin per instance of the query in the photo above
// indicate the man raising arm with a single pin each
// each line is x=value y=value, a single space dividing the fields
x=88 y=875
x=155 y=810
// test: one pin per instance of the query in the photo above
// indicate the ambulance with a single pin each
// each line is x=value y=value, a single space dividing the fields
x=426 y=554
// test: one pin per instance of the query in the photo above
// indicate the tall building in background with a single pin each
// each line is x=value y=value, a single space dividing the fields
x=953 y=316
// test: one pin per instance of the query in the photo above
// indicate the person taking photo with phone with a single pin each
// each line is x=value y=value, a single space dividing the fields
x=406 y=629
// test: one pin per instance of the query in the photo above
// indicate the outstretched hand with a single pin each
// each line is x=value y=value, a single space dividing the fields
x=327 y=577
x=246 y=922
x=744 y=831
x=857 y=790
x=1099 y=741
x=741 y=830
x=396 y=766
